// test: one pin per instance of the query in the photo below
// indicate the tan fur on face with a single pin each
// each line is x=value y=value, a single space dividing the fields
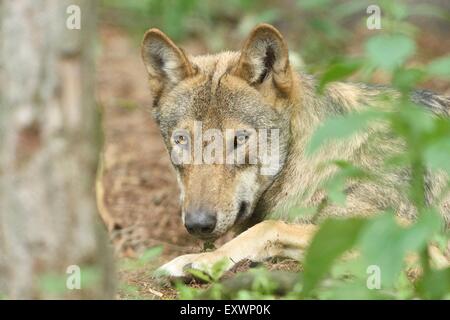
x=216 y=90
x=221 y=195
x=219 y=188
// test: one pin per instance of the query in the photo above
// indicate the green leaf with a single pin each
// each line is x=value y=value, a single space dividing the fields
x=340 y=127
x=219 y=268
x=186 y=292
x=335 y=186
x=330 y=242
x=406 y=79
x=91 y=277
x=151 y=254
x=384 y=243
x=146 y=257
x=437 y=154
x=381 y=245
x=262 y=282
x=52 y=283
x=388 y=51
x=435 y=284
x=440 y=67
x=404 y=122
x=212 y=275
x=338 y=71
x=199 y=274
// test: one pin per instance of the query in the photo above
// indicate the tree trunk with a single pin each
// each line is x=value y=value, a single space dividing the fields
x=48 y=152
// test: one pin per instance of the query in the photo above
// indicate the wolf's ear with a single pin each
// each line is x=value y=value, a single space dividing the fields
x=265 y=56
x=166 y=63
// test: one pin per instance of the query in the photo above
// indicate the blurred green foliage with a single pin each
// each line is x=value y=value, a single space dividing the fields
x=179 y=19
x=54 y=284
x=143 y=262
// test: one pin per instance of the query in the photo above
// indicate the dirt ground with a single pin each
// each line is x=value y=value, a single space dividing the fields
x=137 y=192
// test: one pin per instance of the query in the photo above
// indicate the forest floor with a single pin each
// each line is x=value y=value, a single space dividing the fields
x=138 y=196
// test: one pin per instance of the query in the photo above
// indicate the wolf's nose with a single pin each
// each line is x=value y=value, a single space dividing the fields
x=200 y=222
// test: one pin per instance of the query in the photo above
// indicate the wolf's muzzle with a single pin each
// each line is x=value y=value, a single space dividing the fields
x=200 y=222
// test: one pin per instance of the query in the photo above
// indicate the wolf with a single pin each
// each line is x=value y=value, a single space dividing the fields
x=256 y=88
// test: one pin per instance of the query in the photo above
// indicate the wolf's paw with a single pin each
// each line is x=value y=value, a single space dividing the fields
x=180 y=266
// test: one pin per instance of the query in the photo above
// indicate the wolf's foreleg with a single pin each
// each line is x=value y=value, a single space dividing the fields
x=265 y=240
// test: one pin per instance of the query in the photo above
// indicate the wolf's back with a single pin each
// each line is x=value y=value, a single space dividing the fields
x=437 y=104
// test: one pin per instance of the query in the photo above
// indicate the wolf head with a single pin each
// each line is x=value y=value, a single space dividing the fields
x=213 y=106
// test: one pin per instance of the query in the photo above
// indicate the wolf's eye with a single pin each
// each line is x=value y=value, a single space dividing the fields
x=180 y=138
x=240 y=138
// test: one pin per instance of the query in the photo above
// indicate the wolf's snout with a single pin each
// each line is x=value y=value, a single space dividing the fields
x=200 y=223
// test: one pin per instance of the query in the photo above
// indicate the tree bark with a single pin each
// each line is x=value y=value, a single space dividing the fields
x=49 y=144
